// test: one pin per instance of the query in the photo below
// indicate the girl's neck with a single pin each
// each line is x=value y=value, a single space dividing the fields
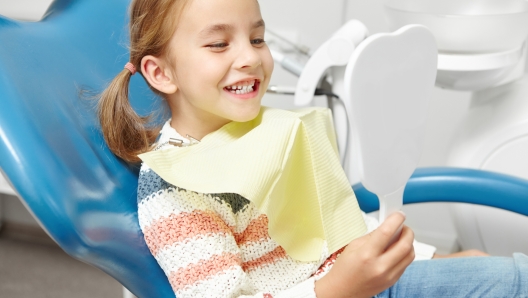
x=194 y=126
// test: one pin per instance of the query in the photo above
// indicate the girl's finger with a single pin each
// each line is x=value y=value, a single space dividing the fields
x=401 y=248
x=381 y=237
x=400 y=267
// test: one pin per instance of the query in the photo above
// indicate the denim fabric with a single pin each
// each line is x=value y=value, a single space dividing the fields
x=493 y=277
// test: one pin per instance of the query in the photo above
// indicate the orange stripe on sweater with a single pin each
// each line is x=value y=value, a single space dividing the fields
x=203 y=270
x=328 y=262
x=269 y=258
x=178 y=227
x=255 y=231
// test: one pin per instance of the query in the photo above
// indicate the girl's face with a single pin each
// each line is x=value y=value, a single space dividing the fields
x=220 y=65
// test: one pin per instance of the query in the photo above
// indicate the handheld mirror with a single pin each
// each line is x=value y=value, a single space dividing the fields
x=388 y=80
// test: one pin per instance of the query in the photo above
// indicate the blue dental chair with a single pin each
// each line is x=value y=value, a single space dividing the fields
x=51 y=148
x=54 y=156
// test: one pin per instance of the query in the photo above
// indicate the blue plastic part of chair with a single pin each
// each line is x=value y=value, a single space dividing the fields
x=51 y=148
x=457 y=185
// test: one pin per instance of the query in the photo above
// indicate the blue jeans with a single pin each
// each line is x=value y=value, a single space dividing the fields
x=493 y=277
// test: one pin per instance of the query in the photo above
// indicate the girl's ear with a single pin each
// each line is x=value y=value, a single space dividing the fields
x=158 y=75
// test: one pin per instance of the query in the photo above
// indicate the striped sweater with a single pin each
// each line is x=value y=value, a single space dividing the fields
x=217 y=245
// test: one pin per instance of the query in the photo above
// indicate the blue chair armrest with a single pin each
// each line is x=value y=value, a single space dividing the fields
x=457 y=185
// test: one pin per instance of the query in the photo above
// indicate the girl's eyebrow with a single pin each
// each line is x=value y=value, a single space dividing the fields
x=210 y=30
x=213 y=29
x=259 y=23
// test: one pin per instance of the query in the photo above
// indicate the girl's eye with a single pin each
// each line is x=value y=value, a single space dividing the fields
x=257 y=41
x=218 y=46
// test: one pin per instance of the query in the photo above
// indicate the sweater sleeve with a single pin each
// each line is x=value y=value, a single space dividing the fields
x=197 y=249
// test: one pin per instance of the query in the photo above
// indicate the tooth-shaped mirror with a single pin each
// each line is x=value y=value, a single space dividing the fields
x=389 y=79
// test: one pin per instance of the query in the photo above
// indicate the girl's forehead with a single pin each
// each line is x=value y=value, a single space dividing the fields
x=207 y=16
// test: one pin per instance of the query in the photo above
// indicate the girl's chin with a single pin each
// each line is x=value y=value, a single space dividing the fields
x=246 y=115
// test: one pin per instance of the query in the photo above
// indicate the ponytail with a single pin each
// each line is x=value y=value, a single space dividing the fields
x=126 y=133
x=152 y=24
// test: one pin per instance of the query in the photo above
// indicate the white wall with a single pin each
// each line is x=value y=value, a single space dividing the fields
x=310 y=22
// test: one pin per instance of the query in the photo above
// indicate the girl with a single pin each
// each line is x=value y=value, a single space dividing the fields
x=209 y=61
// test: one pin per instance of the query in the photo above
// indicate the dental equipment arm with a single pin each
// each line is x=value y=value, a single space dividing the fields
x=287 y=63
x=334 y=52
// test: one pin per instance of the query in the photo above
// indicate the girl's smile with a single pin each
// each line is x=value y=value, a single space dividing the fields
x=244 y=89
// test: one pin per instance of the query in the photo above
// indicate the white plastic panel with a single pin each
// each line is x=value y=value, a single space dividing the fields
x=4 y=186
x=511 y=158
x=504 y=232
x=465 y=26
x=24 y=10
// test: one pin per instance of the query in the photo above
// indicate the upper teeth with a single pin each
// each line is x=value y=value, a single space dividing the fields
x=242 y=88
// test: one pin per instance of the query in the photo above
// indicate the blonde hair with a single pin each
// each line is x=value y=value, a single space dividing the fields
x=152 y=24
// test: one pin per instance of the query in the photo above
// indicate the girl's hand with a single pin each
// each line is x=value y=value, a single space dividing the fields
x=367 y=266
x=460 y=254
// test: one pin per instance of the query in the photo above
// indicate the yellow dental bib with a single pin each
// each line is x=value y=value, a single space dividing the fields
x=286 y=164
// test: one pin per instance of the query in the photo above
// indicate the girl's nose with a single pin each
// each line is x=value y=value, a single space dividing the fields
x=248 y=57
